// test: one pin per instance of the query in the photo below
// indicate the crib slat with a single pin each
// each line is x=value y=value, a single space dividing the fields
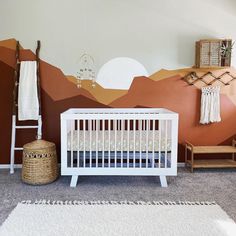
x=159 y=143
x=115 y=128
x=122 y=144
x=140 y=143
x=103 y=141
x=71 y=142
x=90 y=143
x=153 y=143
x=109 y=143
x=78 y=141
x=84 y=127
x=166 y=123
x=128 y=136
x=97 y=129
x=134 y=133
x=147 y=133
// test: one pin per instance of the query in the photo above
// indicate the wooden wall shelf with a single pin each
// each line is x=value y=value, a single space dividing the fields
x=213 y=53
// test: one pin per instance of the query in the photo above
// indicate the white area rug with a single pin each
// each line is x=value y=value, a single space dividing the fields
x=118 y=218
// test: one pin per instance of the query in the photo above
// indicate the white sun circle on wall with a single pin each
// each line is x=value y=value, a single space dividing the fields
x=119 y=73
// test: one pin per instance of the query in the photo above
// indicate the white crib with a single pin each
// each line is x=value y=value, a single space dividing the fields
x=129 y=141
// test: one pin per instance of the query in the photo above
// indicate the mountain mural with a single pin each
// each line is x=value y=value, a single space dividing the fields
x=165 y=88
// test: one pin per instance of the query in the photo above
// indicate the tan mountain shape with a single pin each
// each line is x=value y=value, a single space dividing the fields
x=102 y=95
x=8 y=43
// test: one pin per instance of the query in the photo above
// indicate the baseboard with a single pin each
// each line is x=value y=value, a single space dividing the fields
x=181 y=164
x=7 y=166
x=18 y=166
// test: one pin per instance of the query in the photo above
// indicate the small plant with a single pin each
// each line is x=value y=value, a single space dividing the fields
x=226 y=49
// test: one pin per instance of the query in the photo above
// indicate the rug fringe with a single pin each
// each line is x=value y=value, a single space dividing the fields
x=75 y=202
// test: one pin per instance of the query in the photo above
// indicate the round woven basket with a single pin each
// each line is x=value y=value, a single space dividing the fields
x=39 y=163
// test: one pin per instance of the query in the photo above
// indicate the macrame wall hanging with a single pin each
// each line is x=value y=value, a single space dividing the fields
x=210 y=98
x=210 y=105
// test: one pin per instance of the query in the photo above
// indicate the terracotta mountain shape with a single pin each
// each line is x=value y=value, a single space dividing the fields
x=174 y=94
x=52 y=80
x=52 y=73
x=229 y=90
x=106 y=96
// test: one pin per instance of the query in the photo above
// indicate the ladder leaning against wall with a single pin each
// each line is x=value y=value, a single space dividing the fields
x=15 y=126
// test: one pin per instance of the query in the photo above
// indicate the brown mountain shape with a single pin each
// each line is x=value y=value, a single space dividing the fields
x=174 y=94
x=6 y=87
x=50 y=112
x=51 y=73
x=53 y=81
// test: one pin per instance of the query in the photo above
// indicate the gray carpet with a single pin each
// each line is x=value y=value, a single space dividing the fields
x=207 y=185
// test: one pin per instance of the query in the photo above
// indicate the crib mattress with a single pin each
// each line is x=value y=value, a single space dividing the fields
x=124 y=141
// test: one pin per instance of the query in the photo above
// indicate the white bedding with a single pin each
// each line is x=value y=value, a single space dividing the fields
x=165 y=143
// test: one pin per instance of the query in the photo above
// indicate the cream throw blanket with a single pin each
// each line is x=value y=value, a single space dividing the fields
x=28 y=104
x=210 y=105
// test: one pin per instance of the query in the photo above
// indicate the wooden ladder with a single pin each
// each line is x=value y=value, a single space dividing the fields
x=15 y=105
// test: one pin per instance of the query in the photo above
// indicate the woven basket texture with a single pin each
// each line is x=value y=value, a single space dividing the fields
x=39 y=163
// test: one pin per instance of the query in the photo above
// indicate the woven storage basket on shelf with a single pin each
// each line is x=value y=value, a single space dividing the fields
x=39 y=162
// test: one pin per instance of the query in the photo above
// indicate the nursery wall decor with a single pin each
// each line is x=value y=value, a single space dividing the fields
x=86 y=70
x=210 y=105
x=165 y=88
x=213 y=53
x=209 y=78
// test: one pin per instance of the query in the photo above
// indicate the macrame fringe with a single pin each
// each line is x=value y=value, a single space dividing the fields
x=51 y=202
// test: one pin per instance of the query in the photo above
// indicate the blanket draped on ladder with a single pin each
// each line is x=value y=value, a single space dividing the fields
x=28 y=103
x=210 y=105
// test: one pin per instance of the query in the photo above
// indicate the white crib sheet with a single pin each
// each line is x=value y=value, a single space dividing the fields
x=165 y=143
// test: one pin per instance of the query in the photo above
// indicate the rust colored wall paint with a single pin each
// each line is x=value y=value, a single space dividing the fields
x=173 y=93
x=6 y=87
x=6 y=97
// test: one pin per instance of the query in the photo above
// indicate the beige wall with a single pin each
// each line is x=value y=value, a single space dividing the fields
x=158 y=33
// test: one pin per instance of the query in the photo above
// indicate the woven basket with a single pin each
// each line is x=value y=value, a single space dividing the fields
x=39 y=163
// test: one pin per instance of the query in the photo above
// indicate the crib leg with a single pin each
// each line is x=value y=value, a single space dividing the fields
x=163 y=181
x=73 y=181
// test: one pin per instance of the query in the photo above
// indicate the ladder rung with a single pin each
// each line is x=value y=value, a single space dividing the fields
x=27 y=127
x=18 y=148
